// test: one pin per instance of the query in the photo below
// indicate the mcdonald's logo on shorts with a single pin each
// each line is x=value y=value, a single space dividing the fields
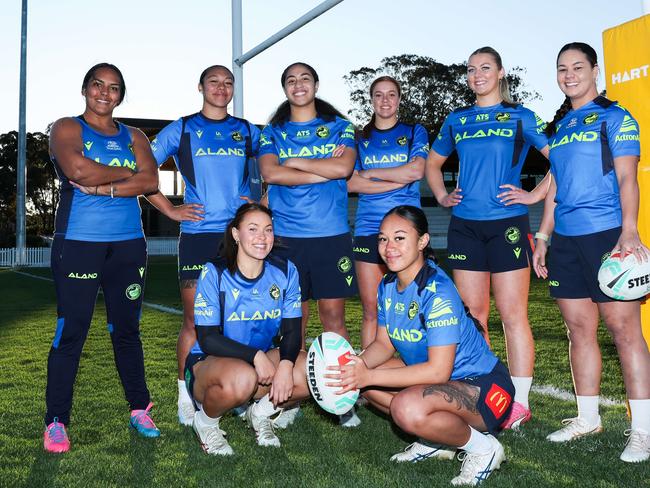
x=498 y=400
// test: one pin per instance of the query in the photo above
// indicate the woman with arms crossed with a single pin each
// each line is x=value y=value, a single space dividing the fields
x=446 y=386
x=592 y=210
x=390 y=164
x=98 y=241
x=211 y=150
x=243 y=301
x=306 y=155
x=489 y=233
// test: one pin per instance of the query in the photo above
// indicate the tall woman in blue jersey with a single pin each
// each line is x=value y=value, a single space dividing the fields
x=243 y=302
x=211 y=150
x=98 y=241
x=489 y=234
x=446 y=387
x=592 y=207
x=390 y=164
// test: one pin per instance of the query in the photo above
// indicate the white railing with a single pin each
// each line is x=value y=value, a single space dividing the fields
x=35 y=257
x=162 y=246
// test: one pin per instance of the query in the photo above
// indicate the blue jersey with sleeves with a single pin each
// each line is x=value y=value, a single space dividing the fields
x=388 y=148
x=429 y=312
x=212 y=157
x=313 y=210
x=96 y=218
x=492 y=144
x=247 y=311
x=582 y=153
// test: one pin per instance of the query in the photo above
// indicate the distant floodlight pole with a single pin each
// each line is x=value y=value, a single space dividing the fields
x=21 y=172
x=238 y=59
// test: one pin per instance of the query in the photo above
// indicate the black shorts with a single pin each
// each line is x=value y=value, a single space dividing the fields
x=489 y=245
x=324 y=265
x=496 y=396
x=190 y=361
x=194 y=250
x=366 y=250
x=574 y=262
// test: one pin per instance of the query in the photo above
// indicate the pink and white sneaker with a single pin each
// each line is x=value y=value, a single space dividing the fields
x=518 y=415
x=55 y=437
x=143 y=424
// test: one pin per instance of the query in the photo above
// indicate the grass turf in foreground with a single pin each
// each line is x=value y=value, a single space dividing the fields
x=315 y=452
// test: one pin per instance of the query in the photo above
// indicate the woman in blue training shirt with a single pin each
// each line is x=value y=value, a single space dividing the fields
x=390 y=164
x=243 y=301
x=98 y=241
x=592 y=210
x=446 y=387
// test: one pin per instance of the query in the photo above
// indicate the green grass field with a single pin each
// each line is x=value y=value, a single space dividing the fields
x=315 y=451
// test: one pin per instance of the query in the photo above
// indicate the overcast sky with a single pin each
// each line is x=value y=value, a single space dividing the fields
x=162 y=46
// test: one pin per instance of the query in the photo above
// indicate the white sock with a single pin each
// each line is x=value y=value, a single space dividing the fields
x=522 y=388
x=204 y=419
x=477 y=444
x=183 y=395
x=588 y=408
x=640 y=411
x=264 y=407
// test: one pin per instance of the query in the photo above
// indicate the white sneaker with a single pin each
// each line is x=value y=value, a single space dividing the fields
x=477 y=467
x=349 y=419
x=185 y=412
x=263 y=427
x=286 y=417
x=637 y=448
x=212 y=439
x=418 y=451
x=573 y=429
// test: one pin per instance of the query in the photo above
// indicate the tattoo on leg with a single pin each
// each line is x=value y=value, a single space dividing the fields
x=465 y=398
x=188 y=284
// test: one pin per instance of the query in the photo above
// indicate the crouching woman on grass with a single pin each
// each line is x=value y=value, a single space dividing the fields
x=243 y=301
x=446 y=387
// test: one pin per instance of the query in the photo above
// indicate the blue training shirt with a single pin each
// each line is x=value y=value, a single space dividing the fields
x=492 y=144
x=388 y=148
x=582 y=153
x=212 y=157
x=250 y=311
x=96 y=218
x=313 y=210
x=430 y=312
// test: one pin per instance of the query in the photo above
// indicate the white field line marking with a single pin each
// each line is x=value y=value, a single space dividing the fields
x=545 y=390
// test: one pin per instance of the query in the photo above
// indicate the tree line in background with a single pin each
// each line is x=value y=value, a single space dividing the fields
x=430 y=91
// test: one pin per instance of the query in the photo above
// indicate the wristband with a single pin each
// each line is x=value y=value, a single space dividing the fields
x=112 y=190
x=542 y=236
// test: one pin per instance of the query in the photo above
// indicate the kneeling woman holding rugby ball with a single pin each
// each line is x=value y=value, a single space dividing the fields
x=243 y=301
x=447 y=387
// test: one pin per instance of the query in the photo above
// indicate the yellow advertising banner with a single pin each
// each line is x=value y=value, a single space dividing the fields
x=627 y=67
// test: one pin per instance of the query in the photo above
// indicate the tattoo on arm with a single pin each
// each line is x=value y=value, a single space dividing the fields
x=188 y=284
x=465 y=396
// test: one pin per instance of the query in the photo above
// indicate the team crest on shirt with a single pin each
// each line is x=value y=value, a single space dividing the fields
x=512 y=235
x=413 y=309
x=323 y=132
x=502 y=117
x=344 y=264
x=236 y=136
x=402 y=141
x=590 y=119
x=274 y=291
x=264 y=141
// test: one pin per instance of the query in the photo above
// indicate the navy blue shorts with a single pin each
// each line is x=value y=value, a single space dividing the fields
x=489 y=245
x=194 y=250
x=324 y=265
x=366 y=250
x=573 y=264
x=190 y=361
x=496 y=396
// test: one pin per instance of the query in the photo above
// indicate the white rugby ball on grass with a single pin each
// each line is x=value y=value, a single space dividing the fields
x=329 y=349
x=624 y=278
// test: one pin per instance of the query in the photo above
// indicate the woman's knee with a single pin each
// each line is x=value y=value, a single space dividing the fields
x=408 y=411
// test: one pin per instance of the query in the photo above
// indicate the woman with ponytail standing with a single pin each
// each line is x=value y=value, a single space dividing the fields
x=489 y=241
x=592 y=210
x=306 y=154
x=390 y=164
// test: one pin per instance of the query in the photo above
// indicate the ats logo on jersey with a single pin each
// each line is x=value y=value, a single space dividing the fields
x=402 y=141
x=482 y=117
x=323 y=132
x=236 y=136
x=502 y=117
x=498 y=400
x=301 y=134
x=274 y=291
